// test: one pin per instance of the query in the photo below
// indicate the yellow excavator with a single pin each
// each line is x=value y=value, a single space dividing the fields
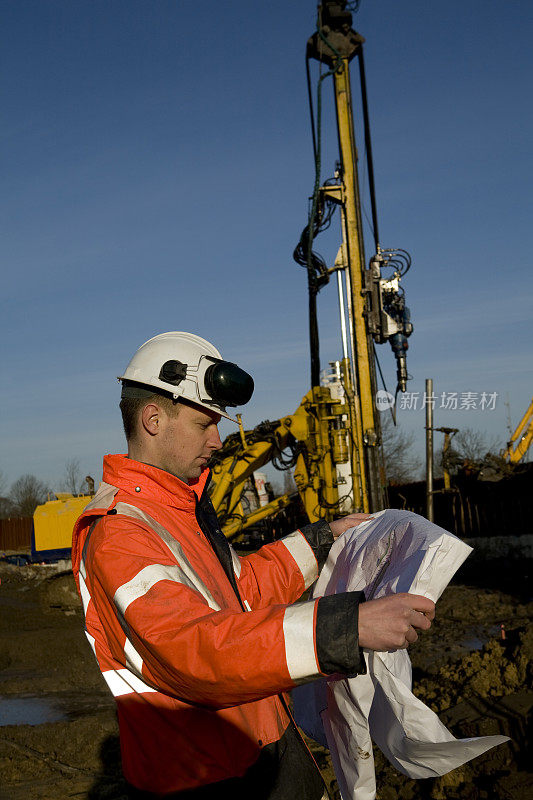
x=332 y=440
x=520 y=441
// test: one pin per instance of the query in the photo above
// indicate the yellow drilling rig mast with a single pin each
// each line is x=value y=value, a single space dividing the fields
x=333 y=439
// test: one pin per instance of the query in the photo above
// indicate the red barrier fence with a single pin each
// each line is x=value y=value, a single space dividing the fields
x=15 y=533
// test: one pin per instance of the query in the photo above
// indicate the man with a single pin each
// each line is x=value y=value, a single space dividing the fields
x=196 y=644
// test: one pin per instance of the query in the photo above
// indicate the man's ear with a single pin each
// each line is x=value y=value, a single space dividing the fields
x=151 y=419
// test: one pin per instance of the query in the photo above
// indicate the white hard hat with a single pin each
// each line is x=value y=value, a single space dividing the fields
x=186 y=366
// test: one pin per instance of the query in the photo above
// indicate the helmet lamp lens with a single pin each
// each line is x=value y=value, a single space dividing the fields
x=227 y=384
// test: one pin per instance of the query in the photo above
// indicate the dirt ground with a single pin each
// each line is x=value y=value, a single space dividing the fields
x=478 y=682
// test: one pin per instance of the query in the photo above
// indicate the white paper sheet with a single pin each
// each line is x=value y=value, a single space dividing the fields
x=397 y=551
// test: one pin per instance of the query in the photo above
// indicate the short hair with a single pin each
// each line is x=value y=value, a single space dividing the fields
x=132 y=404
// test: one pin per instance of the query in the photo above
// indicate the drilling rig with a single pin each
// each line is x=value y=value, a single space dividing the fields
x=332 y=442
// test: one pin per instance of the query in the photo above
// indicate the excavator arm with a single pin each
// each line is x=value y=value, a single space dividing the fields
x=521 y=440
x=313 y=442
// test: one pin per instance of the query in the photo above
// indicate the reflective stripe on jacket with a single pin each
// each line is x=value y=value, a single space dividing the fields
x=194 y=676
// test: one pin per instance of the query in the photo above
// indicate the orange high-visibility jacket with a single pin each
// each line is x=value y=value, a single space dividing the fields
x=194 y=668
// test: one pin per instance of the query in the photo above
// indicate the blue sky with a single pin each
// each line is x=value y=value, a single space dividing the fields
x=157 y=162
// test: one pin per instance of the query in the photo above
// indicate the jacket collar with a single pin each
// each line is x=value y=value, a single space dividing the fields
x=151 y=483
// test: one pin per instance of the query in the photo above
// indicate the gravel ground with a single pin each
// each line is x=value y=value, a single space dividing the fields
x=477 y=682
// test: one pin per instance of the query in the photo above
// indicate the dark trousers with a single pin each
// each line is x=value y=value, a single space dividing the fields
x=284 y=771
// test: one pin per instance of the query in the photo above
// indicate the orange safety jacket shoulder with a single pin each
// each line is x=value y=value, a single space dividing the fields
x=196 y=653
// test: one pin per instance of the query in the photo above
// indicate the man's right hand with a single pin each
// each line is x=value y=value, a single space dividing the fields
x=389 y=623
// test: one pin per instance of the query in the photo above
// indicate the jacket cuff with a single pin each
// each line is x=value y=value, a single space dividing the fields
x=337 y=639
x=319 y=538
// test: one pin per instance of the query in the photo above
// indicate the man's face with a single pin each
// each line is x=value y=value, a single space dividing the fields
x=187 y=441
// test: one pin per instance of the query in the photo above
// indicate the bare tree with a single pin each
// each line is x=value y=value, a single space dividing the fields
x=401 y=464
x=6 y=506
x=26 y=494
x=72 y=480
x=474 y=445
x=289 y=486
x=469 y=448
x=7 y=509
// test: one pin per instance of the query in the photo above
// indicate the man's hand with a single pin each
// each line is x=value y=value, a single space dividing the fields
x=389 y=623
x=338 y=526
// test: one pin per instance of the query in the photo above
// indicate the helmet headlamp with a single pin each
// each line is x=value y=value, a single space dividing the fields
x=227 y=384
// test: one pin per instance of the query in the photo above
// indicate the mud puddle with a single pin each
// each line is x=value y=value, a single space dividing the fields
x=477 y=637
x=29 y=711
x=53 y=707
